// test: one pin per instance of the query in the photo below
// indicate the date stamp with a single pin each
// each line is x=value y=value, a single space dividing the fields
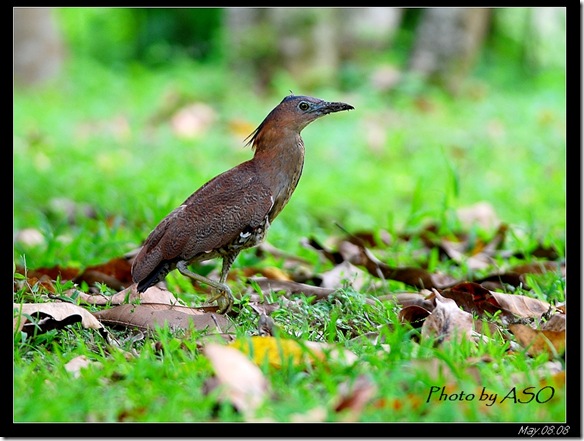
x=544 y=430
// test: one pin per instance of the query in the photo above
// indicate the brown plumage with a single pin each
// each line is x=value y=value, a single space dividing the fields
x=234 y=210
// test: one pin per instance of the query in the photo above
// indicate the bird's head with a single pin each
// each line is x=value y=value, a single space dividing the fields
x=294 y=113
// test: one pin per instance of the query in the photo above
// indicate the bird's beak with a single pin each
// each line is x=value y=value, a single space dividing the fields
x=327 y=107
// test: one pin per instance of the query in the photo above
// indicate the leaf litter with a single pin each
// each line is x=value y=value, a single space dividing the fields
x=441 y=306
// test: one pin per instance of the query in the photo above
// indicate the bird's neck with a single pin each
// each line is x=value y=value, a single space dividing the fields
x=279 y=163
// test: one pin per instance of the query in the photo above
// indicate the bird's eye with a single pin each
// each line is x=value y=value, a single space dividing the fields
x=303 y=106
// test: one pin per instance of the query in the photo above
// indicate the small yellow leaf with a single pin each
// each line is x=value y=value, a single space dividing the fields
x=278 y=351
x=275 y=350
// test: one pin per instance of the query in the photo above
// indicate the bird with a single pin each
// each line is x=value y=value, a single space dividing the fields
x=233 y=211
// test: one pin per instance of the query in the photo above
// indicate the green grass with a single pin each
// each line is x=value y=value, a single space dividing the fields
x=387 y=165
x=168 y=385
x=90 y=140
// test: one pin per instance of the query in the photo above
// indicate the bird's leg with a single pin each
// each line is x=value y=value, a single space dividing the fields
x=226 y=303
x=224 y=297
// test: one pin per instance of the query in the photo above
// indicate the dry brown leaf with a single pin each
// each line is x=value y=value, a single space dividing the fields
x=129 y=295
x=47 y=276
x=241 y=381
x=53 y=272
x=353 y=398
x=53 y=315
x=516 y=275
x=539 y=268
x=473 y=262
x=521 y=306
x=268 y=286
x=366 y=238
x=556 y=322
x=269 y=273
x=333 y=256
x=341 y=273
x=332 y=353
x=539 y=341
x=405 y=299
x=75 y=365
x=359 y=255
x=376 y=338
x=148 y=316
x=447 y=321
x=414 y=315
x=116 y=273
x=473 y=297
x=417 y=277
x=289 y=259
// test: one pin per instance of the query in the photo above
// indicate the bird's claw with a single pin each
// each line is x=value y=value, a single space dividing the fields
x=224 y=300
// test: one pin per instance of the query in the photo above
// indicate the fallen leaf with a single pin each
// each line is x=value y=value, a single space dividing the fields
x=240 y=381
x=131 y=295
x=331 y=353
x=516 y=276
x=368 y=239
x=269 y=273
x=116 y=273
x=473 y=297
x=47 y=276
x=473 y=262
x=354 y=397
x=279 y=351
x=414 y=315
x=333 y=256
x=360 y=256
x=341 y=273
x=521 y=306
x=539 y=268
x=75 y=365
x=54 y=315
x=273 y=350
x=268 y=286
x=289 y=259
x=405 y=299
x=410 y=401
x=556 y=322
x=412 y=276
x=447 y=321
x=149 y=316
x=538 y=341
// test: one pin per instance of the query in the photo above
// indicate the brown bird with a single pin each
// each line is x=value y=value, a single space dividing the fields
x=234 y=210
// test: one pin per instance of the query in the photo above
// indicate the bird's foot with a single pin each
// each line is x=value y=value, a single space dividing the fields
x=224 y=300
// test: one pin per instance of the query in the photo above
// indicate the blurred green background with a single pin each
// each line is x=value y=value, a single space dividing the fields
x=121 y=113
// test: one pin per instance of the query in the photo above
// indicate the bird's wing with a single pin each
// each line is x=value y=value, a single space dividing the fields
x=210 y=218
